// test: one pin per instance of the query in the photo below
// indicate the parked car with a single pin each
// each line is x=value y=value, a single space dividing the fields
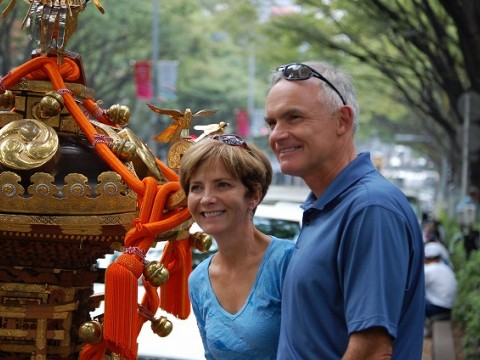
x=281 y=219
x=286 y=194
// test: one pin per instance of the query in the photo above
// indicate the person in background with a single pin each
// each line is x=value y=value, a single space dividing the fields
x=354 y=288
x=440 y=283
x=236 y=293
x=433 y=231
x=442 y=250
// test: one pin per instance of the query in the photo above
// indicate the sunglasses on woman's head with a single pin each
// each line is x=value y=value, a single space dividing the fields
x=230 y=139
x=298 y=71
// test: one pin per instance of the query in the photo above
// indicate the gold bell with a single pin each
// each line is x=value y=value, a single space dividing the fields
x=7 y=101
x=90 y=332
x=124 y=149
x=118 y=114
x=162 y=326
x=155 y=273
x=50 y=105
x=201 y=241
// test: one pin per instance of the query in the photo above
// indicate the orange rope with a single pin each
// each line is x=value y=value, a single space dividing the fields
x=166 y=171
x=69 y=71
x=14 y=76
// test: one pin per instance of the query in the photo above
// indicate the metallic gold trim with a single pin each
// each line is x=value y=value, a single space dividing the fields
x=106 y=228
x=76 y=197
x=38 y=86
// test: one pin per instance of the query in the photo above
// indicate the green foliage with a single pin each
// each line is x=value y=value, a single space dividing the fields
x=453 y=240
x=108 y=44
x=466 y=311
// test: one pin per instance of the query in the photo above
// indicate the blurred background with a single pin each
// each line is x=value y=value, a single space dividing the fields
x=416 y=66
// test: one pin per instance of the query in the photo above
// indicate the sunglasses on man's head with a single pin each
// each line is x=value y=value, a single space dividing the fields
x=298 y=71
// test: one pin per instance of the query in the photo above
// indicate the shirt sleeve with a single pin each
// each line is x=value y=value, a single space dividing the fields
x=373 y=268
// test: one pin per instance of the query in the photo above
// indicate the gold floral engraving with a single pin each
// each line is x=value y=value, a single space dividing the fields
x=76 y=197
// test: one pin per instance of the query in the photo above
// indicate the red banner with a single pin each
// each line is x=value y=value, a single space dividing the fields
x=243 y=126
x=143 y=79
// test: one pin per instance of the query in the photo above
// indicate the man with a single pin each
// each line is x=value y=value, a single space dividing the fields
x=355 y=286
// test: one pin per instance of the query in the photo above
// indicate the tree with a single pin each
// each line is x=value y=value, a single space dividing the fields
x=429 y=51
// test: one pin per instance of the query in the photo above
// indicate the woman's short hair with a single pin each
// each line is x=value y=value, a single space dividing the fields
x=248 y=164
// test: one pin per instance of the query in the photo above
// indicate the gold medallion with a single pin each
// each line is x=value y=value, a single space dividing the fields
x=27 y=144
x=176 y=152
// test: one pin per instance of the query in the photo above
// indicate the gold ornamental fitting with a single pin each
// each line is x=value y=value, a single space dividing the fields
x=90 y=332
x=119 y=114
x=51 y=105
x=201 y=241
x=162 y=326
x=27 y=144
x=155 y=273
x=7 y=101
x=124 y=149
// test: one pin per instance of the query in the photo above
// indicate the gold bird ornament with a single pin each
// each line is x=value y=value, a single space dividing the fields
x=210 y=130
x=181 y=121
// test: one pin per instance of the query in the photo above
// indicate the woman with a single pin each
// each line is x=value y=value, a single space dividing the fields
x=235 y=293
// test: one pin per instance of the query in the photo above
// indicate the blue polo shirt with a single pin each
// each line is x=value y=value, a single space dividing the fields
x=357 y=263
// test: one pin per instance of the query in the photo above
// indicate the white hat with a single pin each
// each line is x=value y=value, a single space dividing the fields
x=433 y=250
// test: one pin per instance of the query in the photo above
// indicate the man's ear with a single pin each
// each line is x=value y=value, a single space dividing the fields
x=344 y=120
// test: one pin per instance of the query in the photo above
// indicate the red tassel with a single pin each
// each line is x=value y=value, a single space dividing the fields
x=177 y=257
x=121 y=303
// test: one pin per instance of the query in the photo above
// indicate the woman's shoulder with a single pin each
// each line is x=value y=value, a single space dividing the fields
x=281 y=248
x=200 y=272
x=282 y=243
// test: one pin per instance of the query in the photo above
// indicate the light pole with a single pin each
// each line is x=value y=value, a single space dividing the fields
x=251 y=87
x=465 y=145
x=155 y=51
